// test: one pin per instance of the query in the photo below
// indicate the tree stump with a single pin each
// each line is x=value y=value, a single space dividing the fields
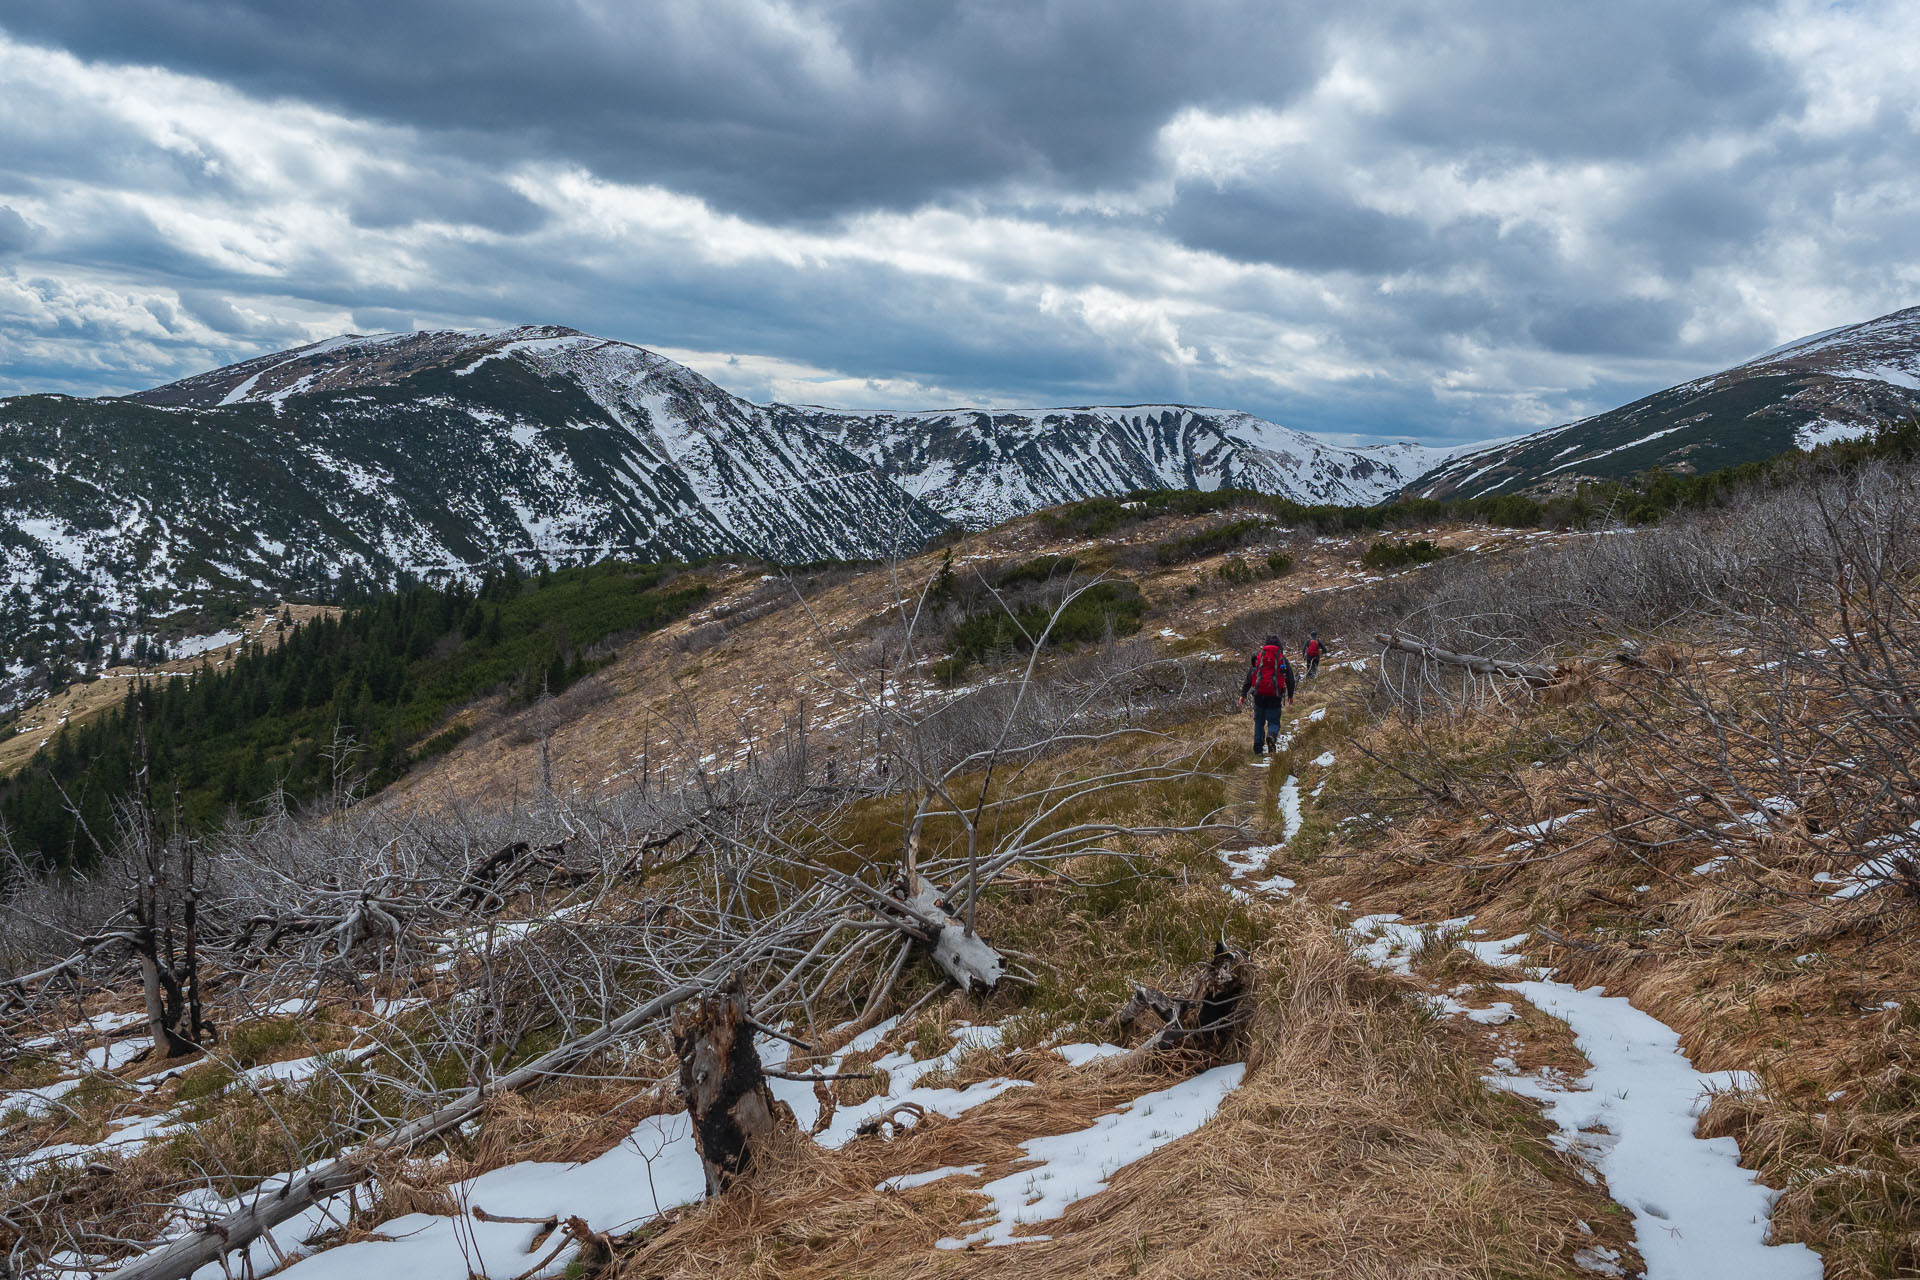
x=724 y=1085
x=1206 y=1017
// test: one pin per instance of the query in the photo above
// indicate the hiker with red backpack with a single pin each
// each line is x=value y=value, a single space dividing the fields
x=1313 y=653
x=1271 y=680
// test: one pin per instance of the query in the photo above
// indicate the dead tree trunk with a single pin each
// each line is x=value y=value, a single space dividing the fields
x=163 y=1000
x=963 y=956
x=1532 y=673
x=725 y=1087
x=268 y=1208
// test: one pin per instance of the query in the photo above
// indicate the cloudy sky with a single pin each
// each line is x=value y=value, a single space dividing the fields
x=1369 y=219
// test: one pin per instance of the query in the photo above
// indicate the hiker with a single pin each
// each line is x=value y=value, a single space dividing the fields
x=1313 y=653
x=1271 y=680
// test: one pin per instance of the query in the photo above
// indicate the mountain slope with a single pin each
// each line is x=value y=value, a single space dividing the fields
x=1831 y=386
x=980 y=467
x=371 y=460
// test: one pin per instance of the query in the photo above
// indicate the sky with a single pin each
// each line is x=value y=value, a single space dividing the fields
x=1372 y=220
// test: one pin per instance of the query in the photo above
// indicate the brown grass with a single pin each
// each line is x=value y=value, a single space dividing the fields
x=1362 y=1144
x=1751 y=969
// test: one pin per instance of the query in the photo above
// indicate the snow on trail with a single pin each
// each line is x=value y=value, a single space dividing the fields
x=1076 y=1165
x=1246 y=862
x=1697 y=1214
x=1243 y=863
x=1290 y=809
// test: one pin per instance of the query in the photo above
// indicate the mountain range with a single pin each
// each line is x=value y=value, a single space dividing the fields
x=363 y=461
x=366 y=460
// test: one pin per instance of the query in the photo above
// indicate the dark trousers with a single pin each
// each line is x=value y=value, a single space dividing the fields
x=1266 y=722
x=1313 y=664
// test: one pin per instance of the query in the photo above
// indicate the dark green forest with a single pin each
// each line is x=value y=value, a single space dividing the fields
x=353 y=700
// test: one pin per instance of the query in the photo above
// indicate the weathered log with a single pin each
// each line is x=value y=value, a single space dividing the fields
x=1532 y=673
x=724 y=1084
x=209 y=1243
x=963 y=956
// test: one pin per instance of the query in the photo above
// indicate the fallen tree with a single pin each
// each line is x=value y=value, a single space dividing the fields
x=271 y=1206
x=1479 y=664
x=777 y=911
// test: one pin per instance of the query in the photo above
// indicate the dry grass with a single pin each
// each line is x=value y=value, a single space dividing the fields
x=1755 y=969
x=703 y=686
x=1361 y=1144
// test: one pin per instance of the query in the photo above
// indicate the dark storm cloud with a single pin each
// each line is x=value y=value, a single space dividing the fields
x=403 y=199
x=1297 y=225
x=781 y=112
x=1620 y=326
x=1580 y=80
x=1690 y=218
x=1385 y=218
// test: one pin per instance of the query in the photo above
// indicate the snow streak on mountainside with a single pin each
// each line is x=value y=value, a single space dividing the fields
x=375 y=459
x=980 y=467
x=1832 y=386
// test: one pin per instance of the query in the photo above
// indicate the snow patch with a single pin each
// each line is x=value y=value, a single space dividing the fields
x=1290 y=815
x=1074 y=1166
x=1696 y=1212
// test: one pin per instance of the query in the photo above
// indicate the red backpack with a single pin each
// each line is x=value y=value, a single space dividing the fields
x=1313 y=648
x=1270 y=677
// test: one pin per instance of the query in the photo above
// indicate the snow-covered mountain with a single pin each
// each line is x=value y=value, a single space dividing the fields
x=1835 y=385
x=979 y=467
x=373 y=459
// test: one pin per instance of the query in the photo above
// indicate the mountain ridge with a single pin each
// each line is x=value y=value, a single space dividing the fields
x=369 y=460
x=1837 y=384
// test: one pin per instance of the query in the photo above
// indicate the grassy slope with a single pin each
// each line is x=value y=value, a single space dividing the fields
x=1363 y=1141
x=1747 y=960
